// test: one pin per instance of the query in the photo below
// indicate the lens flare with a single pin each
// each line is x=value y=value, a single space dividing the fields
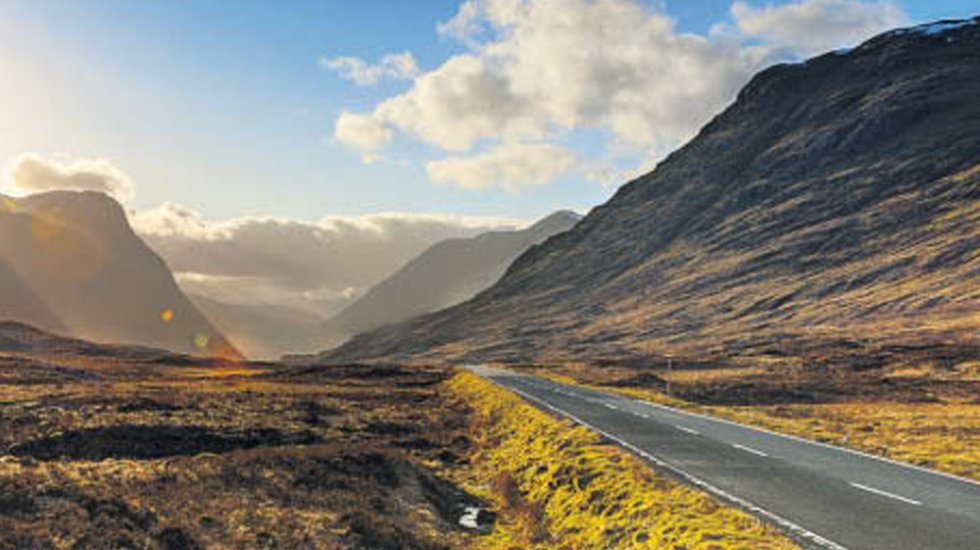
x=201 y=340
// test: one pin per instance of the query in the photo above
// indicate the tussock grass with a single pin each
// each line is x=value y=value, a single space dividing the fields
x=558 y=485
x=99 y=453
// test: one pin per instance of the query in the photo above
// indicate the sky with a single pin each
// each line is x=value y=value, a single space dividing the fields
x=216 y=121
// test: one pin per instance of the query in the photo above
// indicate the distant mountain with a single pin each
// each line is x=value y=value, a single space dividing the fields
x=76 y=258
x=834 y=199
x=449 y=272
x=19 y=301
x=263 y=331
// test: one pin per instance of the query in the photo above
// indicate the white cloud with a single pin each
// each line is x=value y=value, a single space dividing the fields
x=539 y=69
x=362 y=133
x=814 y=26
x=459 y=103
x=253 y=290
x=465 y=25
x=30 y=173
x=510 y=167
x=396 y=66
x=290 y=262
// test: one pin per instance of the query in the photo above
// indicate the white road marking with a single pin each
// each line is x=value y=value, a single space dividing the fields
x=749 y=449
x=641 y=415
x=794 y=528
x=611 y=406
x=688 y=430
x=899 y=498
x=664 y=409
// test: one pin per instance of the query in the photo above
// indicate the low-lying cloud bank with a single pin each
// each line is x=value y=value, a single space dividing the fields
x=533 y=71
x=318 y=266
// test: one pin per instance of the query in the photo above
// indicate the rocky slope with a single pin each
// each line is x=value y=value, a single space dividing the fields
x=446 y=274
x=836 y=200
x=76 y=254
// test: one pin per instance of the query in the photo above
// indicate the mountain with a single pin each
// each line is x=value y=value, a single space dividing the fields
x=834 y=200
x=448 y=273
x=263 y=331
x=18 y=301
x=76 y=258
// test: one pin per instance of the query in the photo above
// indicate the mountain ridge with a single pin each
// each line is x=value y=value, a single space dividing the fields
x=797 y=213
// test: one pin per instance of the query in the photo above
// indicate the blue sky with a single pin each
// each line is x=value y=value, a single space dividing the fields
x=225 y=108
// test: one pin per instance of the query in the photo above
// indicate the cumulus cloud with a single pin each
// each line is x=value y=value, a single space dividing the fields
x=315 y=265
x=551 y=66
x=511 y=167
x=465 y=25
x=462 y=101
x=535 y=70
x=396 y=66
x=362 y=133
x=32 y=173
x=814 y=26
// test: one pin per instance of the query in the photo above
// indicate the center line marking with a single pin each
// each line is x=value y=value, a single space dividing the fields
x=749 y=449
x=688 y=430
x=887 y=494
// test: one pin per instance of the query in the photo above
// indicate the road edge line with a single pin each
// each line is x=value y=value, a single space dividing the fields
x=795 y=529
x=857 y=452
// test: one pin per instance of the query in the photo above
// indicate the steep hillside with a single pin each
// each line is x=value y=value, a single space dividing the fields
x=79 y=256
x=836 y=200
x=446 y=274
x=263 y=331
x=18 y=301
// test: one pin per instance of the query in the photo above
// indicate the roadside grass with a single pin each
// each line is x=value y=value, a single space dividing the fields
x=558 y=485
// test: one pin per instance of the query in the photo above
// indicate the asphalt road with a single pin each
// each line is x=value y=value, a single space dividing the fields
x=825 y=496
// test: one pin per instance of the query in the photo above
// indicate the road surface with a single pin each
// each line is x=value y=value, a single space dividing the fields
x=826 y=497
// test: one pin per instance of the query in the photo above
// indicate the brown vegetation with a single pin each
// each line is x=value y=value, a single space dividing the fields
x=100 y=450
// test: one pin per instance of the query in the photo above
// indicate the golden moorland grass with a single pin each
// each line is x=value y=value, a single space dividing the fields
x=558 y=485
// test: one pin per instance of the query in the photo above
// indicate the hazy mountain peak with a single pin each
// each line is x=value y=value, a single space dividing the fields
x=77 y=254
x=448 y=273
x=558 y=219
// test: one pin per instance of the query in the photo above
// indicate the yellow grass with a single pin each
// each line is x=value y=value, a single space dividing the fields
x=558 y=485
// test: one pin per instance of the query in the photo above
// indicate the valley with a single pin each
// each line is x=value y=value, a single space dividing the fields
x=766 y=339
